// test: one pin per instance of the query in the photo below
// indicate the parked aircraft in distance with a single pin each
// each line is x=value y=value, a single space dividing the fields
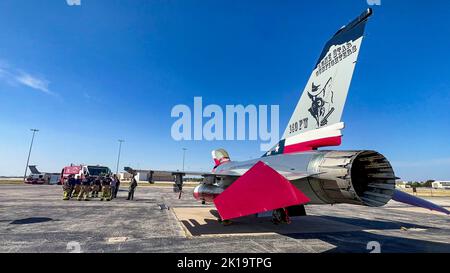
x=37 y=177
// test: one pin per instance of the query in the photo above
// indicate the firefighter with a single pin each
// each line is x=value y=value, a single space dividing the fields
x=85 y=188
x=106 y=189
x=77 y=187
x=68 y=187
x=96 y=184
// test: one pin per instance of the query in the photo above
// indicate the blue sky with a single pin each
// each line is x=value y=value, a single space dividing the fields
x=91 y=74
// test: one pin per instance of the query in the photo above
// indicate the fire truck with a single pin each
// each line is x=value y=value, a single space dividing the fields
x=80 y=171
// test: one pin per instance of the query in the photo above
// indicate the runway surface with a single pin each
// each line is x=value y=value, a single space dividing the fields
x=34 y=218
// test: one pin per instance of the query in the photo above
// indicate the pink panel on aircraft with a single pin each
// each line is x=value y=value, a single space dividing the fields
x=313 y=144
x=260 y=189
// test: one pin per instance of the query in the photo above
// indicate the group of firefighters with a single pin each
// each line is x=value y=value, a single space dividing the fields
x=90 y=187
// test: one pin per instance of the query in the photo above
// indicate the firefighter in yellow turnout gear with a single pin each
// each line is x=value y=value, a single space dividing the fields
x=106 y=189
x=96 y=186
x=77 y=187
x=85 y=188
x=68 y=185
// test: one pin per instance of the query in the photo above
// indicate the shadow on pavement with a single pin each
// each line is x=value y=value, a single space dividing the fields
x=346 y=234
x=31 y=220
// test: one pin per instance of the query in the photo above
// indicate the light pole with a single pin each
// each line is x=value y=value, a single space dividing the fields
x=29 y=153
x=184 y=154
x=118 y=156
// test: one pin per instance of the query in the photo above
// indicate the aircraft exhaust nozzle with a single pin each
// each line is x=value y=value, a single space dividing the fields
x=352 y=177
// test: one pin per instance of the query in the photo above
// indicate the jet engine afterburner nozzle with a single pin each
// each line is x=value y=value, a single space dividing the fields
x=354 y=177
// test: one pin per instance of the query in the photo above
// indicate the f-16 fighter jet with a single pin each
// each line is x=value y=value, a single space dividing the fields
x=295 y=172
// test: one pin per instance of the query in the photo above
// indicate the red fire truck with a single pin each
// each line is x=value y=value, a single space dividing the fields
x=80 y=171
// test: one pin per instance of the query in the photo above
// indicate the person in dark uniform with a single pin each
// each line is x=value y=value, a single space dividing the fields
x=117 y=186
x=113 y=186
x=132 y=188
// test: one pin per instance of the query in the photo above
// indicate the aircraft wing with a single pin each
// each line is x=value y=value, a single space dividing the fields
x=183 y=173
x=222 y=173
x=257 y=189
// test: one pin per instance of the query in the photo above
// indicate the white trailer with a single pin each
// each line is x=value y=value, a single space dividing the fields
x=441 y=185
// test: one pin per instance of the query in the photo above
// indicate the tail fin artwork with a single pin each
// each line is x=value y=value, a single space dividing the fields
x=316 y=121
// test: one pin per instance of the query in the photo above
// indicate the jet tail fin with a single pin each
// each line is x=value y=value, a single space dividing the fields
x=316 y=121
x=33 y=169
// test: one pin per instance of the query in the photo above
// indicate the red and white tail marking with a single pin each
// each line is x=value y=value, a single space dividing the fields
x=310 y=140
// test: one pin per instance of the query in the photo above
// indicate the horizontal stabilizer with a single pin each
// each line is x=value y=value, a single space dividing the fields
x=260 y=189
x=412 y=200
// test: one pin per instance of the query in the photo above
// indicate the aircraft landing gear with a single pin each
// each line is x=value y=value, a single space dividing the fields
x=280 y=216
x=224 y=222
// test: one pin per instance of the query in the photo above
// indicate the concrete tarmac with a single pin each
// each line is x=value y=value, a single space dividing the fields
x=34 y=218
